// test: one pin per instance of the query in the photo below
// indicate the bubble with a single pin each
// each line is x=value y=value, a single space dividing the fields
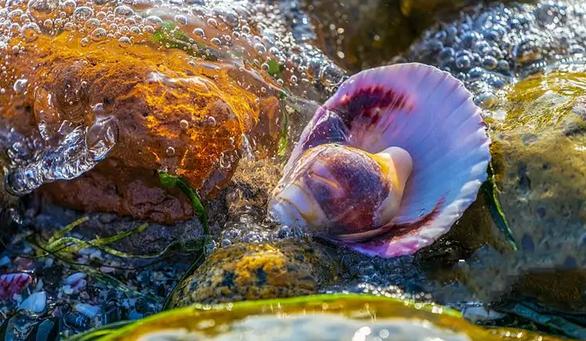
x=124 y=41
x=210 y=121
x=123 y=11
x=489 y=62
x=199 y=32
x=181 y=19
x=85 y=41
x=212 y=22
x=48 y=24
x=154 y=21
x=170 y=151
x=99 y=34
x=42 y=9
x=184 y=124
x=260 y=48
x=82 y=13
x=30 y=32
x=20 y=85
x=92 y=24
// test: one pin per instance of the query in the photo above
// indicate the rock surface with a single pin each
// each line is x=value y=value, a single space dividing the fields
x=258 y=271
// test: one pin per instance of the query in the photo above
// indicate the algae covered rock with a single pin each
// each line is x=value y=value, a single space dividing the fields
x=537 y=128
x=540 y=171
x=257 y=271
x=325 y=317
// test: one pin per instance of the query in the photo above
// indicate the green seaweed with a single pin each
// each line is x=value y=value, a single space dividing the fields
x=60 y=243
x=172 y=181
x=283 y=135
x=491 y=191
x=275 y=69
x=170 y=36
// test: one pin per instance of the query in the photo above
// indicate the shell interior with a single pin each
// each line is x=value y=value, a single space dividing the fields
x=430 y=114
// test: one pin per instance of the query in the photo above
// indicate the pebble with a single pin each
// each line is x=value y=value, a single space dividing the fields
x=35 y=303
x=88 y=310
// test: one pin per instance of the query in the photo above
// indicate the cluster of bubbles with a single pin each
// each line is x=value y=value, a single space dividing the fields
x=489 y=47
x=270 y=41
x=277 y=36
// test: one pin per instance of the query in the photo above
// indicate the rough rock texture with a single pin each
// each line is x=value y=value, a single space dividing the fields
x=164 y=113
x=257 y=271
x=537 y=127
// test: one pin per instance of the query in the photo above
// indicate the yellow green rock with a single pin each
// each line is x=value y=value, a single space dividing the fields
x=323 y=317
x=257 y=271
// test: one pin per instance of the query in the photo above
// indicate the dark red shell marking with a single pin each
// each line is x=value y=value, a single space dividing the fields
x=11 y=284
x=348 y=186
x=367 y=105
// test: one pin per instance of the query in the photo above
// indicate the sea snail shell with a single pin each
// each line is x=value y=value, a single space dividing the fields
x=388 y=164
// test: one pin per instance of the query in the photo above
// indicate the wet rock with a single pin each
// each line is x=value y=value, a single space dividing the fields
x=537 y=128
x=361 y=34
x=490 y=46
x=258 y=271
x=542 y=176
x=325 y=317
x=541 y=172
x=141 y=105
x=422 y=13
x=36 y=303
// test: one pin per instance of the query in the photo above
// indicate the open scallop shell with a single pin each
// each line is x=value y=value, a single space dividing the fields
x=430 y=114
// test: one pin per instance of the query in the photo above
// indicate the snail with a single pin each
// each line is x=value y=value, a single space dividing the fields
x=388 y=164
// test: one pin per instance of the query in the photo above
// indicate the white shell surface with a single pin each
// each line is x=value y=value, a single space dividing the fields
x=430 y=114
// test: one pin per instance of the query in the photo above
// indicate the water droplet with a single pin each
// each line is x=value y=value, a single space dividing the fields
x=124 y=41
x=30 y=32
x=20 y=85
x=82 y=13
x=99 y=34
x=199 y=32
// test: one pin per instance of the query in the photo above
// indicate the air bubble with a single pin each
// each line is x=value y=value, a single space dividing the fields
x=20 y=85
x=124 y=41
x=199 y=32
x=30 y=32
x=99 y=34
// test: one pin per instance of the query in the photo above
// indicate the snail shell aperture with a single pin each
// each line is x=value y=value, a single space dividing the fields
x=388 y=164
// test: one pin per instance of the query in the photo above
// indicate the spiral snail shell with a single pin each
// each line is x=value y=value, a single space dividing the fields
x=388 y=164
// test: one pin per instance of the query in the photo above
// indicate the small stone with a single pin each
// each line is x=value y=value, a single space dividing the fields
x=35 y=303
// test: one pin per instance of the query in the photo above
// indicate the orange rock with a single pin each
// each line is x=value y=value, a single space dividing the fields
x=173 y=113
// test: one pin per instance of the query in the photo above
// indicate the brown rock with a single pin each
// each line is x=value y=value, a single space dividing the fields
x=171 y=114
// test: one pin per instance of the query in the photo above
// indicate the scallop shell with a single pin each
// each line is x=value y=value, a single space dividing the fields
x=431 y=115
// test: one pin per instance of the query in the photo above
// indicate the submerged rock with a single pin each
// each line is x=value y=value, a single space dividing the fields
x=258 y=271
x=490 y=46
x=326 y=317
